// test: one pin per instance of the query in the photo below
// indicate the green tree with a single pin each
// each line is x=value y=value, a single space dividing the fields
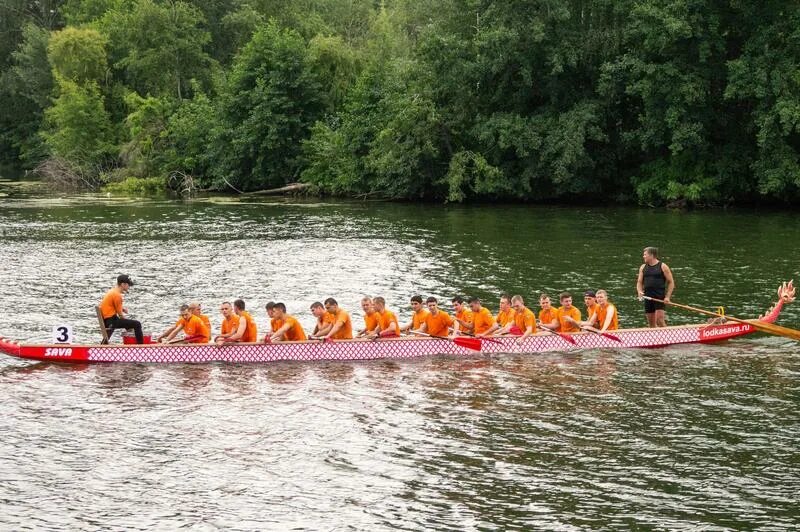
x=78 y=55
x=78 y=127
x=27 y=88
x=269 y=102
x=158 y=48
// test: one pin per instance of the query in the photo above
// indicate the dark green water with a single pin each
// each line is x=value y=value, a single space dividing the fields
x=702 y=437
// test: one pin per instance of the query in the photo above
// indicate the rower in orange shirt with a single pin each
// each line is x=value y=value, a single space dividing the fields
x=194 y=330
x=114 y=313
x=418 y=316
x=198 y=311
x=324 y=320
x=250 y=332
x=462 y=318
x=437 y=323
x=387 y=320
x=605 y=316
x=482 y=319
x=548 y=316
x=371 y=317
x=289 y=329
x=524 y=323
x=569 y=317
x=230 y=324
x=505 y=318
x=342 y=326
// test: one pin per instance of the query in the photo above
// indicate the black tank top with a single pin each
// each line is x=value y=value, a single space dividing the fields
x=654 y=279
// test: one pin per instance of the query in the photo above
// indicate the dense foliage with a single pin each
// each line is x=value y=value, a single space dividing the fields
x=654 y=101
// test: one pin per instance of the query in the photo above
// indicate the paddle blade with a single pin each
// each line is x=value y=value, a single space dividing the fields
x=611 y=337
x=777 y=330
x=567 y=338
x=469 y=343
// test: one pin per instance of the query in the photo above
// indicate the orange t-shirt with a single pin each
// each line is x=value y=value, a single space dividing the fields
x=525 y=319
x=371 y=321
x=295 y=333
x=564 y=325
x=601 y=316
x=324 y=320
x=419 y=318
x=275 y=324
x=250 y=330
x=205 y=320
x=111 y=305
x=386 y=319
x=483 y=320
x=346 y=332
x=466 y=316
x=547 y=316
x=230 y=324
x=194 y=326
x=437 y=325
x=590 y=311
x=504 y=317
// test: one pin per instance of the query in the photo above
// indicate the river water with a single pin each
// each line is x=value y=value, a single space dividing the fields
x=694 y=437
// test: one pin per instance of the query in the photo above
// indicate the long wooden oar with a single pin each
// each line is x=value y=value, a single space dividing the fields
x=762 y=326
x=463 y=341
x=597 y=331
x=487 y=338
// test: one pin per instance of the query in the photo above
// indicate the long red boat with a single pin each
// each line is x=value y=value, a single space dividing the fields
x=389 y=348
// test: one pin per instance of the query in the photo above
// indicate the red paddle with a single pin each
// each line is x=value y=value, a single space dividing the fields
x=463 y=341
x=607 y=335
x=563 y=336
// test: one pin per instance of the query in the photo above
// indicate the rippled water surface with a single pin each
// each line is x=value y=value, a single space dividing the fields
x=697 y=437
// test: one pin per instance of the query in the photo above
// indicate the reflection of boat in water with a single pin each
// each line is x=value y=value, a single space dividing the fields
x=387 y=348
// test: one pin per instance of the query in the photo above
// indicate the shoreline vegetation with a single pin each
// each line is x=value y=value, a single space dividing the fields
x=677 y=103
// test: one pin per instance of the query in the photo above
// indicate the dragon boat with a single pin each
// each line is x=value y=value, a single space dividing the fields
x=396 y=348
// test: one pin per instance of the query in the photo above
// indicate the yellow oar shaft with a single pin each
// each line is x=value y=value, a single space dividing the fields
x=758 y=324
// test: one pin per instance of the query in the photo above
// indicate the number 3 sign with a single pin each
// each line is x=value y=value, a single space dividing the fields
x=62 y=334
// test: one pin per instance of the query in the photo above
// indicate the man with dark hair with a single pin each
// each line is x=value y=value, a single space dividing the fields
x=114 y=313
x=569 y=317
x=324 y=320
x=463 y=316
x=342 y=328
x=250 y=332
x=482 y=319
x=270 y=306
x=655 y=280
x=288 y=328
x=437 y=323
x=419 y=316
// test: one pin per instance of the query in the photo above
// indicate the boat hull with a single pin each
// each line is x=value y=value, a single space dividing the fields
x=390 y=348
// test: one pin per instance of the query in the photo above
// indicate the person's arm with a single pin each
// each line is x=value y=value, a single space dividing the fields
x=235 y=337
x=323 y=331
x=335 y=328
x=528 y=332
x=670 y=281
x=391 y=330
x=167 y=333
x=278 y=335
x=610 y=313
x=175 y=332
x=590 y=321
x=422 y=328
x=640 y=282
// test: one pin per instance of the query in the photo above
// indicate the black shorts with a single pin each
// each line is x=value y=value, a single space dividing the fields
x=652 y=306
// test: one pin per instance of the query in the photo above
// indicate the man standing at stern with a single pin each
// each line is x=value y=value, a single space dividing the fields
x=655 y=280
